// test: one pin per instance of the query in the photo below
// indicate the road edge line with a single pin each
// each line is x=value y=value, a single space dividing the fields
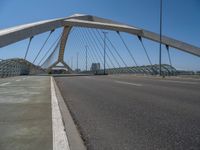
x=60 y=140
x=73 y=135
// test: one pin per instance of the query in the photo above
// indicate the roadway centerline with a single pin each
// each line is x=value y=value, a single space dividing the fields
x=3 y=84
x=87 y=77
x=128 y=83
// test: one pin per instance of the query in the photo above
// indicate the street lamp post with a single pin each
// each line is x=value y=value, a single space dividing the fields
x=86 y=55
x=72 y=62
x=105 y=33
x=77 y=54
x=160 y=51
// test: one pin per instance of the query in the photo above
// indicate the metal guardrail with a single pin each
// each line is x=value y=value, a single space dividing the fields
x=167 y=70
x=9 y=68
x=17 y=67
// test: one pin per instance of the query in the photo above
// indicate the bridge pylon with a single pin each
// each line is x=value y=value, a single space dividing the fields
x=65 y=65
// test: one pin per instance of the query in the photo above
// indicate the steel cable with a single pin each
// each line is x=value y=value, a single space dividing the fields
x=29 y=43
x=43 y=46
x=54 y=43
x=127 y=48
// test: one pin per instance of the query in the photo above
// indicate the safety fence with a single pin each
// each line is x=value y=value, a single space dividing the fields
x=167 y=70
x=16 y=67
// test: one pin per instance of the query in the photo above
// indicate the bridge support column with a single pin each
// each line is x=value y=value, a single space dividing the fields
x=63 y=42
x=64 y=38
x=63 y=63
x=62 y=46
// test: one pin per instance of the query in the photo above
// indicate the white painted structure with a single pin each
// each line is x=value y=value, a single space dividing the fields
x=12 y=35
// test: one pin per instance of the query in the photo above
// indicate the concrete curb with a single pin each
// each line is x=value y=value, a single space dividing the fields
x=74 y=138
x=60 y=140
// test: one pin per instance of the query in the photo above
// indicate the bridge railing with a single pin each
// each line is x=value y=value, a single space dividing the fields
x=17 y=67
x=9 y=68
x=167 y=70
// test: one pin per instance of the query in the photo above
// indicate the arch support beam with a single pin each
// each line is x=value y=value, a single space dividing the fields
x=12 y=35
x=105 y=24
x=64 y=39
x=18 y=33
x=59 y=52
x=64 y=64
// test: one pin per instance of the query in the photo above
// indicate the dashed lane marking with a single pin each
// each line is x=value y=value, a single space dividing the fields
x=128 y=83
x=3 y=84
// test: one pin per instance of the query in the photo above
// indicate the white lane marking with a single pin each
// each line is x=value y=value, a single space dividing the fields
x=183 y=82
x=3 y=84
x=87 y=77
x=60 y=140
x=18 y=80
x=122 y=82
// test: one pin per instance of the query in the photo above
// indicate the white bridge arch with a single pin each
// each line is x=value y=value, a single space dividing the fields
x=14 y=34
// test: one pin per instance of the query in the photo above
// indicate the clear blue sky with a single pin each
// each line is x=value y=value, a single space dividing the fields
x=181 y=21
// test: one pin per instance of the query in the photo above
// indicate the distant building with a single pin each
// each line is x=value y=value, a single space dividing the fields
x=95 y=67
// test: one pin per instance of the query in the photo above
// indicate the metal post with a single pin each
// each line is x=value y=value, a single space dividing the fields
x=160 y=52
x=86 y=55
x=72 y=62
x=104 y=70
x=77 y=60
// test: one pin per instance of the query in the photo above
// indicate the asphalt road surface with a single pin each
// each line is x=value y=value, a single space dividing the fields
x=134 y=113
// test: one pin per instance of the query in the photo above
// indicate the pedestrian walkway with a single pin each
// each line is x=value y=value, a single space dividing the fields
x=25 y=113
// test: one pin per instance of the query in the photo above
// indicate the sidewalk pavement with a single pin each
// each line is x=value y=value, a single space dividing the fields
x=25 y=113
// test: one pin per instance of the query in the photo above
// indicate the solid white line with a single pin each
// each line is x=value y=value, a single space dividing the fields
x=128 y=83
x=3 y=84
x=60 y=141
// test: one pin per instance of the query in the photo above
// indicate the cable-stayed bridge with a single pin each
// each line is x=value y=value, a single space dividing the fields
x=87 y=30
x=131 y=108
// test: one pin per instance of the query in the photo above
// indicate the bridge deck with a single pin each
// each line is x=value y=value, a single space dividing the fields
x=130 y=112
x=112 y=112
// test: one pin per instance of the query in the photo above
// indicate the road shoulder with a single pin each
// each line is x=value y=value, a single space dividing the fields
x=74 y=138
